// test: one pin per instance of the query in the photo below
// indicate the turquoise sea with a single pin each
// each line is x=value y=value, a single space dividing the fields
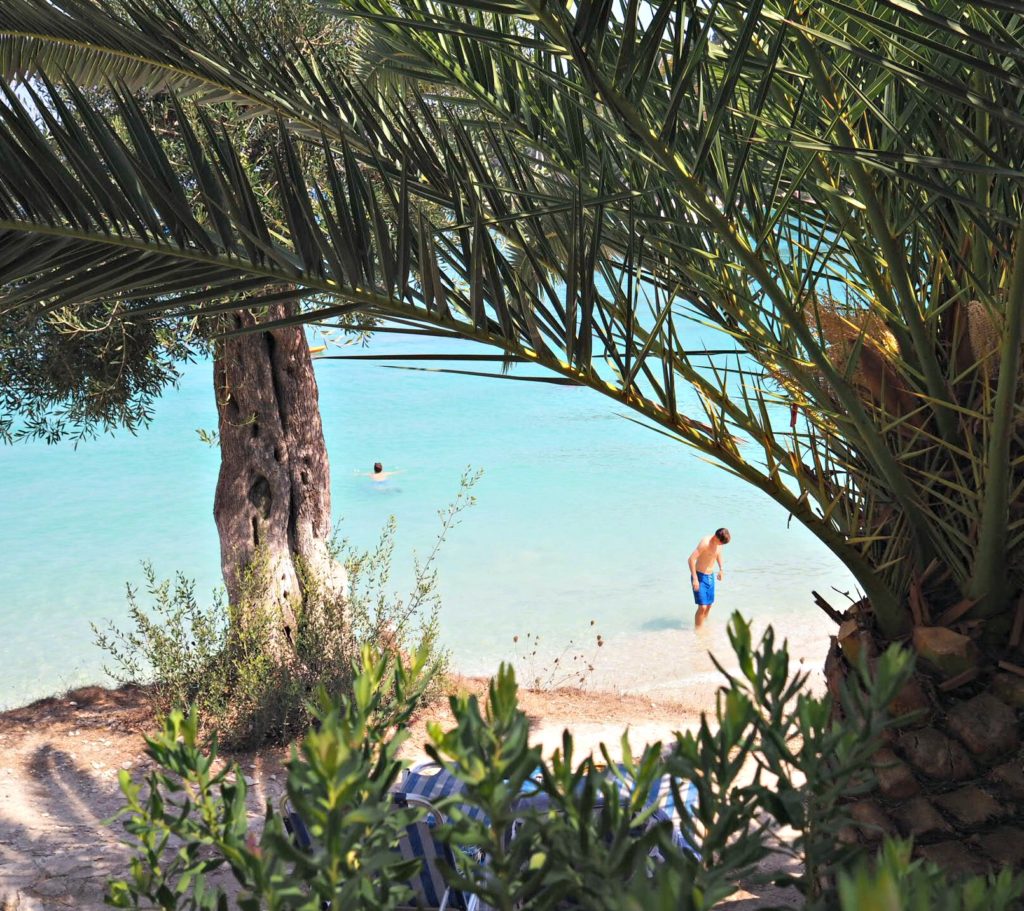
x=582 y=516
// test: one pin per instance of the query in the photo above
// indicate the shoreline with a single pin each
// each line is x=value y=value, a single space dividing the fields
x=62 y=755
x=669 y=663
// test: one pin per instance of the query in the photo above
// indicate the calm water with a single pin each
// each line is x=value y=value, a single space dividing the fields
x=581 y=516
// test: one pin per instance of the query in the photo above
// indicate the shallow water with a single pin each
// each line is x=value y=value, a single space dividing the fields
x=581 y=516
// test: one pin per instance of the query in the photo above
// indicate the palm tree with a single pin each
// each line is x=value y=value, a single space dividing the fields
x=787 y=235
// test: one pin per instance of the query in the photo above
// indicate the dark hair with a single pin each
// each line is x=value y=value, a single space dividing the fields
x=723 y=535
x=377 y=467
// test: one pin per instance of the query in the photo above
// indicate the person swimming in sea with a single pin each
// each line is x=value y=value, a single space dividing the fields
x=379 y=475
x=702 y=577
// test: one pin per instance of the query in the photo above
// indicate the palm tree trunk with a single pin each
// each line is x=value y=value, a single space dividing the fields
x=951 y=775
x=273 y=500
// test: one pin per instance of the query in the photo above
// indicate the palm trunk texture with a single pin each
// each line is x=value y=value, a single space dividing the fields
x=273 y=500
x=952 y=774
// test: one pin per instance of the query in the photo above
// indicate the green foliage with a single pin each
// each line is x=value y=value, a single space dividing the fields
x=770 y=754
x=190 y=820
x=894 y=882
x=220 y=659
x=814 y=765
x=175 y=645
x=75 y=372
x=745 y=222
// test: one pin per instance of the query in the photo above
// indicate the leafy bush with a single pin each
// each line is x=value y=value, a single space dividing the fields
x=191 y=821
x=176 y=645
x=580 y=851
x=206 y=658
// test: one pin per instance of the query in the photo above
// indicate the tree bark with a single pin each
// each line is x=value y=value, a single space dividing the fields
x=950 y=775
x=273 y=499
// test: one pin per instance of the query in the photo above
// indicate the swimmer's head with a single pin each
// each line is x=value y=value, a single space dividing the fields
x=723 y=535
x=378 y=468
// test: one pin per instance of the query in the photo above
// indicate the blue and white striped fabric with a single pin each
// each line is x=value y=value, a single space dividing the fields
x=661 y=796
x=429 y=887
x=432 y=782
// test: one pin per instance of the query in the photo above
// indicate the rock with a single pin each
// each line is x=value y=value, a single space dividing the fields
x=953 y=857
x=249 y=780
x=986 y=726
x=871 y=820
x=918 y=817
x=935 y=754
x=1010 y=776
x=1004 y=845
x=971 y=805
x=895 y=778
x=1010 y=689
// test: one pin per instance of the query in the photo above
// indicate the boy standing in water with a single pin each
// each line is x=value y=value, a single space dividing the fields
x=702 y=564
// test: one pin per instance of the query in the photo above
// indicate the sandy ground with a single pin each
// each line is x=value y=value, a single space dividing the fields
x=60 y=758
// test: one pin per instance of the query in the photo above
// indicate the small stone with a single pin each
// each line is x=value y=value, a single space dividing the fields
x=918 y=817
x=935 y=754
x=1010 y=689
x=895 y=778
x=871 y=820
x=971 y=805
x=1004 y=845
x=249 y=781
x=953 y=857
x=986 y=726
x=1010 y=775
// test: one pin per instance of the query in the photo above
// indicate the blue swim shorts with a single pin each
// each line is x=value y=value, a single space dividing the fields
x=705 y=594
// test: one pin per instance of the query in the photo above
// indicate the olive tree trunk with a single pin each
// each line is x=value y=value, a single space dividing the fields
x=273 y=500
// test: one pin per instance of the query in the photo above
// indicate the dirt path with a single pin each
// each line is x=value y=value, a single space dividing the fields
x=60 y=758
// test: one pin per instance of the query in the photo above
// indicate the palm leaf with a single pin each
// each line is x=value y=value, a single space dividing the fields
x=748 y=170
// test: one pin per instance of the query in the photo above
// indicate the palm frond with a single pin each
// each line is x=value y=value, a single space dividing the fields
x=605 y=192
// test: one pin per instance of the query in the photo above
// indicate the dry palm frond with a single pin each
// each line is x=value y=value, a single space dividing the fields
x=862 y=348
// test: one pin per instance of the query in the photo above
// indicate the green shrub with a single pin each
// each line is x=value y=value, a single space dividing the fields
x=891 y=881
x=206 y=658
x=176 y=646
x=581 y=852
x=189 y=821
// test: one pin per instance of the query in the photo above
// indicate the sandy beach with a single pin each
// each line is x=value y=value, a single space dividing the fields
x=61 y=758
